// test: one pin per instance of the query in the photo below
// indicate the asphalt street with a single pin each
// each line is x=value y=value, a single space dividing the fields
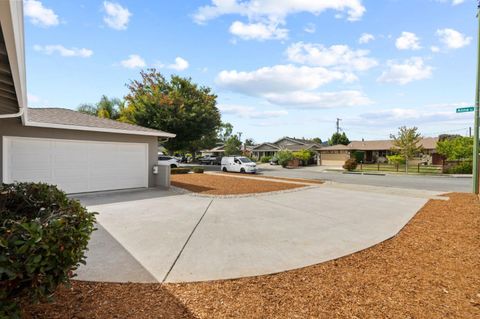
x=421 y=182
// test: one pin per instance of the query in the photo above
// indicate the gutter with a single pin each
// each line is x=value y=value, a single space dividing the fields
x=18 y=114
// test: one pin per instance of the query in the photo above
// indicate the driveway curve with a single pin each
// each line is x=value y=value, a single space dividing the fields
x=164 y=236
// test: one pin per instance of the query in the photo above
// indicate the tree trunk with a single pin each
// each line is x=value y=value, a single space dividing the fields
x=406 y=165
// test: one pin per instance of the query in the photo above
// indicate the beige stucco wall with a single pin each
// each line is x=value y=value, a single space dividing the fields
x=13 y=127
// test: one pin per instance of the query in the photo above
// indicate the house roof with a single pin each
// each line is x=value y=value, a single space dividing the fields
x=378 y=145
x=266 y=147
x=427 y=143
x=73 y=120
x=338 y=147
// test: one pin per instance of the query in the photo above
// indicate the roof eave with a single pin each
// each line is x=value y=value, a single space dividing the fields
x=97 y=129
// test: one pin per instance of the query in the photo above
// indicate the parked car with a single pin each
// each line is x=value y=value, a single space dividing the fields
x=274 y=161
x=167 y=160
x=209 y=160
x=238 y=164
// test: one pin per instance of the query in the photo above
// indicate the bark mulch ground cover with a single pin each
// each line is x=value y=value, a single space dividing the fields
x=430 y=270
x=301 y=180
x=226 y=185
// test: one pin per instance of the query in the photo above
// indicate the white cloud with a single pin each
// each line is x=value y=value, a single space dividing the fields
x=310 y=28
x=337 y=56
x=179 y=65
x=434 y=49
x=279 y=79
x=408 y=41
x=133 y=61
x=258 y=31
x=322 y=100
x=417 y=116
x=275 y=10
x=412 y=69
x=453 y=39
x=453 y=2
x=293 y=86
x=63 y=51
x=39 y=15
x=117 y=17
x=250 y=112
x=365 y=38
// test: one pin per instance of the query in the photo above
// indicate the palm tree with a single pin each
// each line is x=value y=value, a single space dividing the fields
x=105 y=108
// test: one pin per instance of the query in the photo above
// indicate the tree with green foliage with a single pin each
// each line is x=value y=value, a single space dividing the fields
x=109 y=108
x=233 y=146
x=338 y=138
x=456 y=148
x=249 y=142
x=177 y=105
x=225 y=132
x=407 y=143
x=317 y=140
x=284 y=156
x=303 y=155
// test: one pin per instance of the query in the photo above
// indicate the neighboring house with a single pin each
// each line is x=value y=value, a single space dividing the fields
x=219 y=151
x=77 y=152
x=292 y=144
x=376 y=152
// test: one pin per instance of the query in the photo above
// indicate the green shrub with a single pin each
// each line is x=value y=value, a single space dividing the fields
x=396 y=159
x=358 y=156
x=284 y=156
x=350 y=164
x=180 y=170
x=303 y=155
x=198 y=170
x=265 y=159
x=461 y=168
x=43 y=239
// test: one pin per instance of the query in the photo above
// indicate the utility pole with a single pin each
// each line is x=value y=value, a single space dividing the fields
x=477 y=105
x=240 y=135
x=338 y=125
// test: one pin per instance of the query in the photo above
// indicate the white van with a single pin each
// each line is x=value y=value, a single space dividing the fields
x=238 y=164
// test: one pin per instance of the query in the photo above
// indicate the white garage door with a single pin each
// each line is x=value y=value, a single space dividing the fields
x=75 y=166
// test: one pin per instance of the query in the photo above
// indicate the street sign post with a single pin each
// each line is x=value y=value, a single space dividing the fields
x=476 y=133
x=465 y=109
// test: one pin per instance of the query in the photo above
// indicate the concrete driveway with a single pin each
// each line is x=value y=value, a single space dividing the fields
x=165 y=236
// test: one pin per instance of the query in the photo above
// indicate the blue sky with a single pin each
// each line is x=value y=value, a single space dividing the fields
x=279 y=67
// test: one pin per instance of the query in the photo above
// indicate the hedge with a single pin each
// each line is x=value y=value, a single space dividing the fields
x=198 y=170
x=180 y=170
x=43 y=239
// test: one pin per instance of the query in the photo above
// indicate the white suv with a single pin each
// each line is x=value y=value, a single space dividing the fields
x=167 y=160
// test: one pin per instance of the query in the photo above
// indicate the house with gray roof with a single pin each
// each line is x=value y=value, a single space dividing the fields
x=75 y=151
x=376 y=151
x=289 y=143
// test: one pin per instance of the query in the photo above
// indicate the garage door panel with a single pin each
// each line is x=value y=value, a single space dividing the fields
x=31 y=175
x=77 y=166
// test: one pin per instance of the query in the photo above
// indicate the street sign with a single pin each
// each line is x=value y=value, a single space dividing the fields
x=465 y=109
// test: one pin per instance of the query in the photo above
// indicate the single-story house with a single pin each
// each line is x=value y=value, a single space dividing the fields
x=219 y=151
x=292 y=144
x=216 y=151
x=376 y=152
x=75 y=151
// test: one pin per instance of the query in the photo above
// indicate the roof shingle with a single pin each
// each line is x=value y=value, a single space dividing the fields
x=72 y=118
